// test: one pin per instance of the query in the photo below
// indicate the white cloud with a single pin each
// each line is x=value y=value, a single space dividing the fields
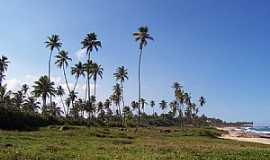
x=81 y=54
x=13 y=84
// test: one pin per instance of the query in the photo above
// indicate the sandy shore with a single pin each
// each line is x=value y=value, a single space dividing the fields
x=234 y=133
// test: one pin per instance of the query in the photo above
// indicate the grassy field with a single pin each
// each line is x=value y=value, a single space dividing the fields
x=101 y=143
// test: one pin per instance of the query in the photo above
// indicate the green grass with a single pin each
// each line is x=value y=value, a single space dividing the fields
x=101 y=144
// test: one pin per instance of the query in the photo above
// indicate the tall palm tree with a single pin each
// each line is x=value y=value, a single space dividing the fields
x=96 y=71
x=121 y=75
x=60 y=92
x=78 y=71
x=142 y=36
x=3 y=68
x=43 y=88
x=52 y=43
x=152 y=104
x=62 y=60
x=90 y=42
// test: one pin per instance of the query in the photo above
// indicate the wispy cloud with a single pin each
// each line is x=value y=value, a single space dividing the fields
x=81 y=54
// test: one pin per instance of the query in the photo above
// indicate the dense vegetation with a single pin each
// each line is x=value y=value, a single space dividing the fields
x=35 y=106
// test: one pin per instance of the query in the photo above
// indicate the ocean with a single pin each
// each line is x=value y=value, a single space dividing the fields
x=258 y=129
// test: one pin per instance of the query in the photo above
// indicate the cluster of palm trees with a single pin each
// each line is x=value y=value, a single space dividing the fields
x=72 y=106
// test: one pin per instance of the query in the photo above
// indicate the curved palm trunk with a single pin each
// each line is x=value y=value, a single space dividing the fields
x=66 y=79
x=139 y=82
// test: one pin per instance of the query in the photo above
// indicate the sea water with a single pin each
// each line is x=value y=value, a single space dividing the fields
x=259 y=129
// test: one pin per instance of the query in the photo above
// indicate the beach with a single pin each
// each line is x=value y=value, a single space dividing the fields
x=239 y=134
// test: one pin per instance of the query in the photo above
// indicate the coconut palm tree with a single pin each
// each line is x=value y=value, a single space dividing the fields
x=174 y=105
x=72 y=95
x=25 y=89
x=60 y=92
x=142 y=36
x=121 y=75
x=43 y=88
x=143 y=103
x=3 y=68
x=202 y=101
x=52 y=43
x=90 y=42
x=152 y=104
x=62 y=60
x=55 y=111
x=31 y=105
x=96 y=71
x=163 y=105
x=116 y=97
x=78 y=71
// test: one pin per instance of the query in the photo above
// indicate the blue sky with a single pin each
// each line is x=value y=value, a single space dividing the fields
x=219 y=49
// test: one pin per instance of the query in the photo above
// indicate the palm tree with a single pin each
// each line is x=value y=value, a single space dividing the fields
x=121 y=75
x=60 y=92
x=72 y=95
x=134 y=105
x=62 y=60
x=78 y=71
x=152 y=104
x=163 y=105
x=24 y=89
x=43 y=88
x=55 y=111
x=143 y=103
x=142 y=36
x=116 y=97
x=52 y=43
x=90 y=42
x=31 y=105
x=96 y=71
x=174 y=106
x=3 y=68
x=202 y=101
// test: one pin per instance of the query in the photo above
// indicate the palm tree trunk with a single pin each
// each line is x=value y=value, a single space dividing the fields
x=75 y=85
x=49 y=72
x=122 y=86
x=88 y=87
x=66 y=79
x=63 y=105
x=139 y=81
x=44 y=103
x=95 y=87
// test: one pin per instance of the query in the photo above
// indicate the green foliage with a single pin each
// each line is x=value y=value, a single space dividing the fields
x=84 y=143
